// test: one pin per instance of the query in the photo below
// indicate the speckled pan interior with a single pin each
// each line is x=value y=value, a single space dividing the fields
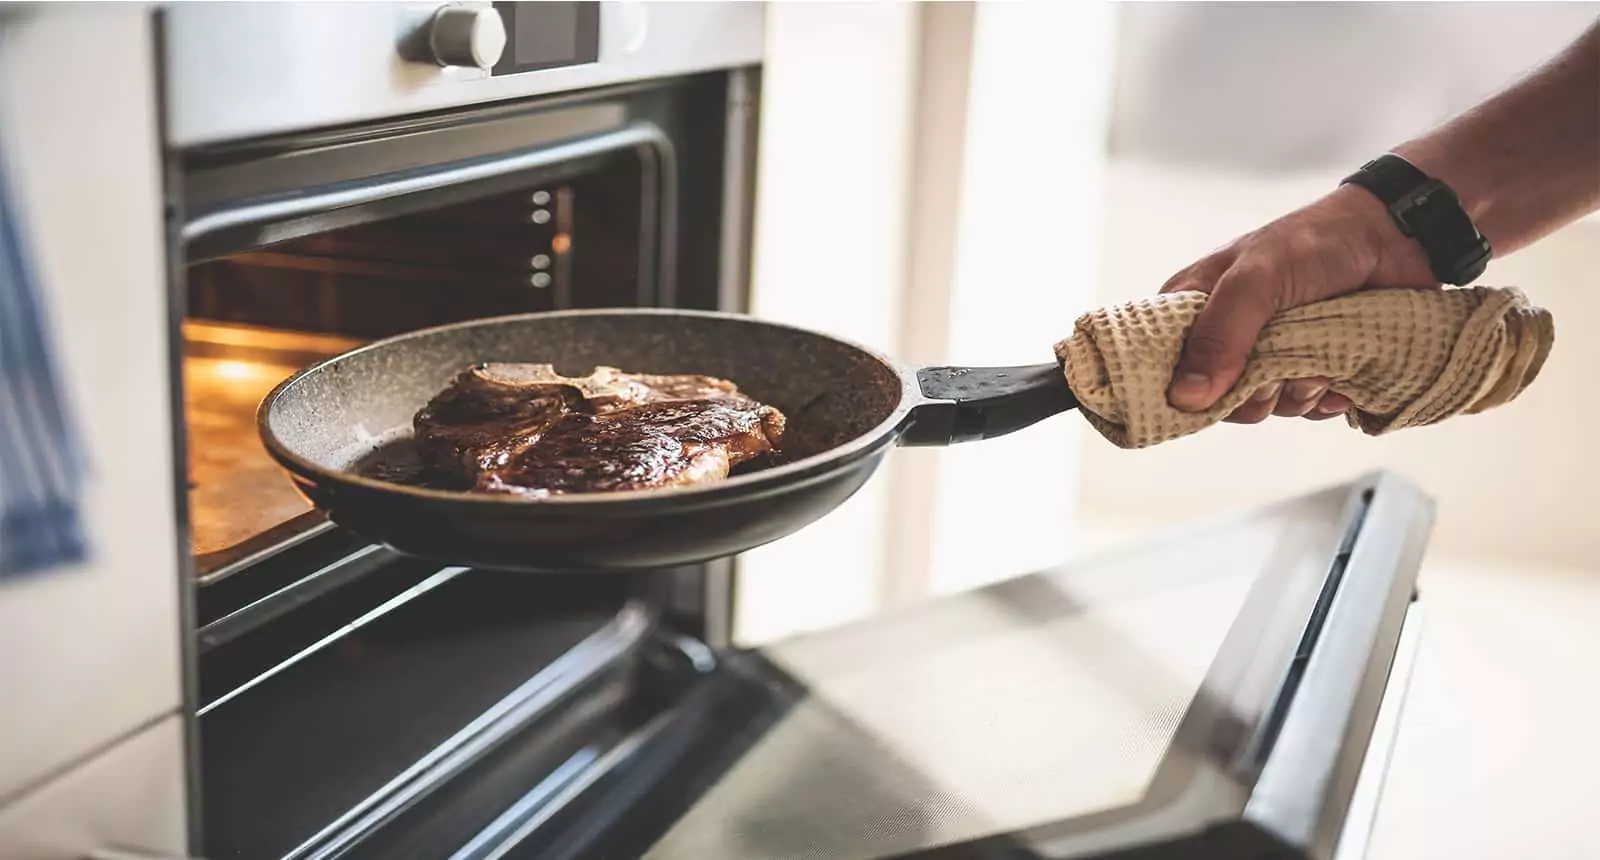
x=831 y=392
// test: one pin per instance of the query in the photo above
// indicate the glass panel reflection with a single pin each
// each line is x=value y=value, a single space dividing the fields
x=1044 y=699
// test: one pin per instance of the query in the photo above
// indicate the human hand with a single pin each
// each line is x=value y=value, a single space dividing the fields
x=1339 y=244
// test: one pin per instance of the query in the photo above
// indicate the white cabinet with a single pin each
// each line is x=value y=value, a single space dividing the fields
x=93 y=650
x=127 y=801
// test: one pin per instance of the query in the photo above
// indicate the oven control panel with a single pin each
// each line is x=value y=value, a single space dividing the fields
x=237 y=71
x=549 y=35
x=511 y=38
x=460 y=35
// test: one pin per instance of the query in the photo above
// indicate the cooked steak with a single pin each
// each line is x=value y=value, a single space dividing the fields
x=524 y=429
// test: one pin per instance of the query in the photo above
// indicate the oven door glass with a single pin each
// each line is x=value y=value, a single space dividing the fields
x=1194 y=694
x=256 y=316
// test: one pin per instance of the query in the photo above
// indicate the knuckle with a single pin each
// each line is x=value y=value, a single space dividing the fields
x=1305 y=391
x=1193 y=277
x=1255 y=287
x=1173 y=283
x=1290 y=408
x=1205 y=344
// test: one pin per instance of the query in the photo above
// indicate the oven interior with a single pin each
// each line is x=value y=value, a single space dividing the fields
x=353 y=702
x=254 y=318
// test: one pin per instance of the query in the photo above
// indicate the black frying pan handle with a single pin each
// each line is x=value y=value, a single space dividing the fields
x=964 y=404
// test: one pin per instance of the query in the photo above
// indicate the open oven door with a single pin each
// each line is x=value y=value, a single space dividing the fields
x=1229 y=690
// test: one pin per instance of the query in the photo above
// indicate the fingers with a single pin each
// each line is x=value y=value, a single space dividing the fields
x=1296 y=398
x=1301 y=396
x=1331 y=406
x=1220 y=340
x=1259 y=406
x=1201 y=276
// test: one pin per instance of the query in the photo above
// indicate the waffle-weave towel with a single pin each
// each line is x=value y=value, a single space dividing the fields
x=1404 y=357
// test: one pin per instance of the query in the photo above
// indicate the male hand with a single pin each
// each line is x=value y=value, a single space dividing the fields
x=1338 y=244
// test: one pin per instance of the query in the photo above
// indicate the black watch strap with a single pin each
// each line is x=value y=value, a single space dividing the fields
x=1429 y=212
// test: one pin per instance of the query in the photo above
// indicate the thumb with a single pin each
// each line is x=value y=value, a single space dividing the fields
x=1220 y=340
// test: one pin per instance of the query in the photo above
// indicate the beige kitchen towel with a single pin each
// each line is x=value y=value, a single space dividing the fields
x=1404 y=357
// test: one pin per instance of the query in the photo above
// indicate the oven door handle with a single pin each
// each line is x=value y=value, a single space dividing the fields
x=261 y=222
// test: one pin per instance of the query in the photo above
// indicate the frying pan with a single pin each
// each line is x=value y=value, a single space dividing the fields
x=846 y=406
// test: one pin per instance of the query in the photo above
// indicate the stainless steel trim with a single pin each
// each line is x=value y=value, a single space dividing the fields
x=658 y=224
x=1299 y=797
x=293 y=595
x=738 y=189
x=571 y=779
x=1200 y=789
x=274 y=167
x=604 y=765
x=1275 y=680
x=268 y=212
x=245 y=70
x=534 y=697
x=375 y=613
x=528 y=806
x=264 y=553
x=719 y=582
x=717 y=596
x=700 y=656
x=1356 y=835
x=188 y=565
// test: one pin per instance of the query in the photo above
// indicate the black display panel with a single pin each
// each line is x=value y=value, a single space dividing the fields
x=548 y=36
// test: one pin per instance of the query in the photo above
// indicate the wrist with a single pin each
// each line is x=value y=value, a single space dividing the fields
x=1427 y=211
x=1397 y=260
x=1474 y=198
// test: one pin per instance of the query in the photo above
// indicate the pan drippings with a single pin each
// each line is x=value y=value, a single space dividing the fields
x=523 y=429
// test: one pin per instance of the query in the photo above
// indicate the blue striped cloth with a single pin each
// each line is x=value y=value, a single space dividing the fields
x=41 y=455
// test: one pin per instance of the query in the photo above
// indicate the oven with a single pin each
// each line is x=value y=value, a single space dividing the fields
x=349 y=701
x=332 y=174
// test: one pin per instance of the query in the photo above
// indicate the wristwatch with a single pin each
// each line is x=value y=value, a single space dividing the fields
x=1429 y=212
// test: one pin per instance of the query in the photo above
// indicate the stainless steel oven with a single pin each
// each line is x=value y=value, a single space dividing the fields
x=334 y=173
x=293 y=245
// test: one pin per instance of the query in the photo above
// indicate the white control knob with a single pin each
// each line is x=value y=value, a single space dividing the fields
x=467 y=36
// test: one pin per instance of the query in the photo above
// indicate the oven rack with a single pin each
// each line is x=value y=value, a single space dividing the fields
x=284 y=673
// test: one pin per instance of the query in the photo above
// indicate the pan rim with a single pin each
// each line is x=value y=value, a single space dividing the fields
x=882 y=434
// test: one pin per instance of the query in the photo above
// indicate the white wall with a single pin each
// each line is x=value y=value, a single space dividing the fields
x=836 y=112
x=1024 y=262
x=920 y=188
x=1269 y=87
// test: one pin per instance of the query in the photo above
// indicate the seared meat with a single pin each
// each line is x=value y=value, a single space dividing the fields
x=524 y=429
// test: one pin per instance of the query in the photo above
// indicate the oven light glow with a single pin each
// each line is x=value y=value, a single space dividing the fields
x=560 y=242
x=235 y=370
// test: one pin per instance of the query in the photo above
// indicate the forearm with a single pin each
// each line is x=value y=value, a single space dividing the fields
x=1527 y=161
